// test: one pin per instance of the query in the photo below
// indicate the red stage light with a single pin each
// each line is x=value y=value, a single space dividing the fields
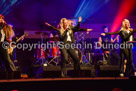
x=14 y=90
x=125 y=9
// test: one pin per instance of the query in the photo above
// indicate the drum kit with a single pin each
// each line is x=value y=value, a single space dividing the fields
x=80 y=39
x=51 y=55
x=43 y=55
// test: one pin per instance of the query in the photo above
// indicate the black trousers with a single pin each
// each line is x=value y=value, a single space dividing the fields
x=9 y=65
x=64 y=54
x=128 y=54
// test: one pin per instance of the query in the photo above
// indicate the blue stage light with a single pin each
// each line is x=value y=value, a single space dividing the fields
x=80 y=7
x=87 y=8
x=7 y=5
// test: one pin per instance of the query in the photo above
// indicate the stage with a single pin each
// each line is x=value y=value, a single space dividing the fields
x=43 y=42
x=51 y=80
x=66 y=84
x=62 y=79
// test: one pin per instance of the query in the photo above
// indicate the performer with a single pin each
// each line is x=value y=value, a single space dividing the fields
x=126 y=34
x=66 y=32
x=5 y=36
x=12 y=38
x=105 y=40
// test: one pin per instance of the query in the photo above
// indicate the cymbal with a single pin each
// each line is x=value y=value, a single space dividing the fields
x=53 y=39
x=44 y=33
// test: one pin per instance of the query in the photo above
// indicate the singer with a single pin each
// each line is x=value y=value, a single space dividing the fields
x=126 y=34
x=66 y=32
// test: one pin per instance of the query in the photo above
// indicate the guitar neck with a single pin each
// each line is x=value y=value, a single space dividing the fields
x=20 y=38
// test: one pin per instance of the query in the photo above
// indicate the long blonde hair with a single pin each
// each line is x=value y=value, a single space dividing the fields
x=62 y=26
x=8 y=32
x=123 y=24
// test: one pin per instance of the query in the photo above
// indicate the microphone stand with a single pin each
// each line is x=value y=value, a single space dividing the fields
x=84 y=59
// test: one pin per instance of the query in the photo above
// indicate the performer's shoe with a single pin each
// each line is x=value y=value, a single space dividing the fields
x=121 y=75
x=63 y=74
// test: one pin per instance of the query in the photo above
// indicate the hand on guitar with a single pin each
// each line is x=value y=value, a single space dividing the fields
x=11 y=48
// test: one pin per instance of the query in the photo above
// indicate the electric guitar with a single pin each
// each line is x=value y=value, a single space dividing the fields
x=10 y=49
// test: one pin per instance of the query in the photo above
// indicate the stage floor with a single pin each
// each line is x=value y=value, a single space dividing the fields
x=63 y=79
x=68 y=84
x=52 y=81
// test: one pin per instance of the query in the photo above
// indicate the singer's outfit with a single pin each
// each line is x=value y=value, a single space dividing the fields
x=68 y=38
x=126 y=52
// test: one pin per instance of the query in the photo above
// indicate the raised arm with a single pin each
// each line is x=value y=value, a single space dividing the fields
x=76 y=28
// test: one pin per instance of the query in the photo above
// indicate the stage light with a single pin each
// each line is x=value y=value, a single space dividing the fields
x=87 y=8
x=125 y=9
x=80 y=7
x=14 y=90
x=7 y=5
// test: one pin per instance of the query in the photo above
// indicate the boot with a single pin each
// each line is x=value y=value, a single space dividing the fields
x=63 y=73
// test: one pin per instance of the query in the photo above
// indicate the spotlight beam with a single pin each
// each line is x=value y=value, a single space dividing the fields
x=88 y=7
x=125 y=9
x=7 y=6
x=80 y=8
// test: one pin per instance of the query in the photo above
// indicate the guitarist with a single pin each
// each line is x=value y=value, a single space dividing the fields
x=16 y=40
x=5 y=36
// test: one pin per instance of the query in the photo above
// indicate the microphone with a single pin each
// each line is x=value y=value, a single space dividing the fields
x=131 y=29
